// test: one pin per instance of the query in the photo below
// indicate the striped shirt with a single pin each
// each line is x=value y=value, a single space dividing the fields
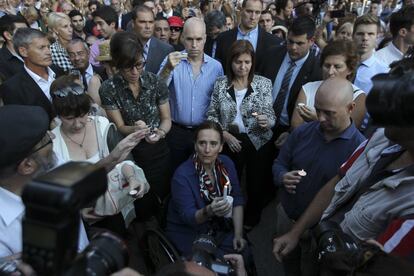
x=190 y=95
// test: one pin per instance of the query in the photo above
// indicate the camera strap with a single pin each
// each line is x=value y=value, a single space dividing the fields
x=378 y=173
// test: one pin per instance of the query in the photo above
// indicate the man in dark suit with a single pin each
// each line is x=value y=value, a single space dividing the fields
x=78 y=52
x=167 y=9
x=289 y=67
x=154 y=49
x=31 y=86
x=215 y=25
x=247 y=30
x=10 y=64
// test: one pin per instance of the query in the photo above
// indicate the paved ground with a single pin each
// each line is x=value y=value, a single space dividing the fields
x=261 y=239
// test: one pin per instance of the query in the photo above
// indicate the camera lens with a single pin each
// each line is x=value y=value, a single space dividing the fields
x=104 y=255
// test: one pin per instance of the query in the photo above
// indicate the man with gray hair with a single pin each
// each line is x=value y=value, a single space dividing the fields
x=31 y=85
x=78 y=52
x=215 y=24
x=190 y=76
x=310 y=157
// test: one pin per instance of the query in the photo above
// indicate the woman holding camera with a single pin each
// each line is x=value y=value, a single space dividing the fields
x=338 y=59
x=198 y=196
x=242 y=104
x=135 y=99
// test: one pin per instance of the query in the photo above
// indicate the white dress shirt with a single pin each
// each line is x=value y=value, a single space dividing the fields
x=88 y=73
x=389 y=54
x=11 y=215
x=366 y=70
x=41 y=82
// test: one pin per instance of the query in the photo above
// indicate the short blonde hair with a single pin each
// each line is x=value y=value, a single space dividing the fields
x=367 y=19
x=54 y=18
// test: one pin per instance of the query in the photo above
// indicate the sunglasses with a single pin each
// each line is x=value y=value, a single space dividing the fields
x=49 y=141
x=175 y=29
x=73 y=89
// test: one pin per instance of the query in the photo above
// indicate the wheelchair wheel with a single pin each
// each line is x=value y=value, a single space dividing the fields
x=159 y=251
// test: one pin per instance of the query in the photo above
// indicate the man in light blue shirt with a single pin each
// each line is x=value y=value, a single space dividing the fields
x=365 y=33
x=190 y=76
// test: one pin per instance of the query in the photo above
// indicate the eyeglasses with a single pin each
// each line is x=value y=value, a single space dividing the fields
x=49 y=141
x=139 y=65
x=175 y=29
x=73 y=89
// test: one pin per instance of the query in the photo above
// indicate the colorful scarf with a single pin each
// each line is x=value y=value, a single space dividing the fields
x=208 y=190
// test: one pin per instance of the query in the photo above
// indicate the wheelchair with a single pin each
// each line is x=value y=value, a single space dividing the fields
x=158 y=251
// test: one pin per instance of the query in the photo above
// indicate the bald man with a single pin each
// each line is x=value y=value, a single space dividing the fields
x=190 y=77
x=310 y=157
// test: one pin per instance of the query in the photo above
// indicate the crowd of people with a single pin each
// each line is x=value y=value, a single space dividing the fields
x=225 y=105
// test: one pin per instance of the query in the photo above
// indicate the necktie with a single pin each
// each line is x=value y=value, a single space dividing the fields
x=284 y=89
x=84 y=81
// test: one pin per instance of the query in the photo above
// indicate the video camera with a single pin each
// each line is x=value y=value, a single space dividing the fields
x=52 y=220
x=332 y=239
x=391 y=99
x=204 y=249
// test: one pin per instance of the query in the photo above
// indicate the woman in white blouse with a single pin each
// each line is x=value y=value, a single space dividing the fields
x=242 y=104
x=338 y=59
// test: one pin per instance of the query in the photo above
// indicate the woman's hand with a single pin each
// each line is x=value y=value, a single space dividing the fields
x=140 y=125
x=124 y=147
x=233 y=143
x=239 y=243
x=262 y=121
x=154 y=136
x=220 y=206
x=141 y=188
x=308 y=114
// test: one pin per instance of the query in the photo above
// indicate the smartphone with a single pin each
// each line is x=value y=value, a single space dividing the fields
x=337 y=13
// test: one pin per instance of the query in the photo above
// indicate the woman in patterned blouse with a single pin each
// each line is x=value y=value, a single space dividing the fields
x=135 y=99
x=242 y=104
x=61 y=28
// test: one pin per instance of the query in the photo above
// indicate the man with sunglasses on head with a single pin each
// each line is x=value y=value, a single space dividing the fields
x=31 y=86
x=154 y=49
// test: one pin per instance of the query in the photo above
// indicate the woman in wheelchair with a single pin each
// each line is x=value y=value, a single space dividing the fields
x=197 y=202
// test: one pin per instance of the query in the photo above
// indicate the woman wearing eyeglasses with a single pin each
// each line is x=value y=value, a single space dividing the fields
x=135 y=99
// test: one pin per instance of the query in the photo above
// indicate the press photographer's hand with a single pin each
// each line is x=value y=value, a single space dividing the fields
x=284 y=244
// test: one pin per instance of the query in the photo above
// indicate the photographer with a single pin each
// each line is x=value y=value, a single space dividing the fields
x=26 y=152
x=376 y=184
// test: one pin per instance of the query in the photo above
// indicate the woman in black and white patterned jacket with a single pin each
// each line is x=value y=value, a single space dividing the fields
x=242 y=103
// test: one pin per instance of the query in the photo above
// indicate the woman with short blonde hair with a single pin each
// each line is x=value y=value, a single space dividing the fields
x=60 y=27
